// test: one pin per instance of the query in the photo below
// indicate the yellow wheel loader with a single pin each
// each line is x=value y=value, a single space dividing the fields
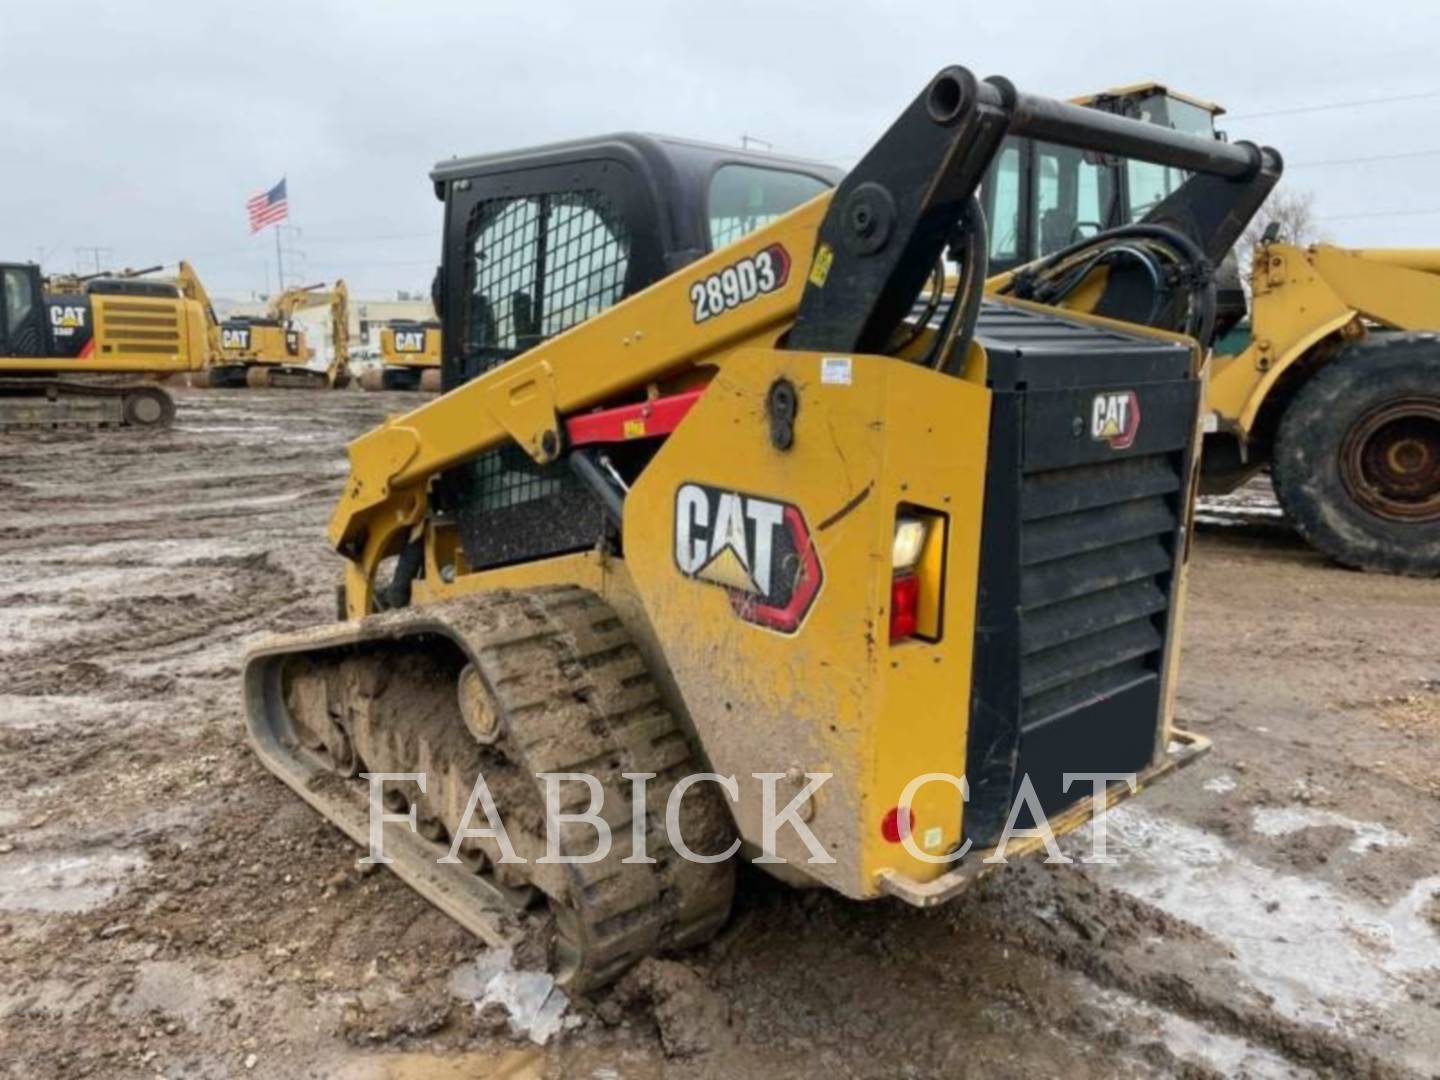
x=409 y=357
x=1330 y=379
x=60 y=338
x=735 y=533
x=273 y=351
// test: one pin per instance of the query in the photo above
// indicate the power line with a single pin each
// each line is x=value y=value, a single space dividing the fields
x=1361 y=160
x=1353 y=104
x=1377 y=214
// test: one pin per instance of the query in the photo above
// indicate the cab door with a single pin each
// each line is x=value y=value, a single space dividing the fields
x=22 y=312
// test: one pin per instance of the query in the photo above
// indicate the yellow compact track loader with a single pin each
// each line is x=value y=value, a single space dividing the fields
x=61 y=337
x=272 y=350
x=409 y=357
x=737 y=530
x=1330 y=378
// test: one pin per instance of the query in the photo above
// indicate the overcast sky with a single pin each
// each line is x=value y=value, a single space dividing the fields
x=142 y=127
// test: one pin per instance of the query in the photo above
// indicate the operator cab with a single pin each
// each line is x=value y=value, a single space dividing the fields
x=537 y=241
x=1040 y=197
x=24 y=329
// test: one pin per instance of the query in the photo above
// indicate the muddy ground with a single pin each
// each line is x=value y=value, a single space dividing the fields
x=168 y=909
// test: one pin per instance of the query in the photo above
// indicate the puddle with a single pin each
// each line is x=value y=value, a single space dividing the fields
x=510 y=1065
x=1285 y=820
x=1325 y=957
x=63 y=883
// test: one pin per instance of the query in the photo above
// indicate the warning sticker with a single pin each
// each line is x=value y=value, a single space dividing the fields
x=835 y=370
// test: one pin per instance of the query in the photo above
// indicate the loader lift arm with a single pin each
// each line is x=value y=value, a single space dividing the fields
x=862 y=252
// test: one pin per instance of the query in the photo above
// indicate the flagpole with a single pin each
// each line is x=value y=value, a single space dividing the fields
x=279 y=261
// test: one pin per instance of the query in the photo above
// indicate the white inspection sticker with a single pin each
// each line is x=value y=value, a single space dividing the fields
x=1210 y=424
x=835 y=370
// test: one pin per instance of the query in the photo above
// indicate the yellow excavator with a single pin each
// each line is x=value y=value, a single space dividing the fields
x=726 y=509
x=1330 y=377
x=409 y=357
x=273 y=351
x=62 y=339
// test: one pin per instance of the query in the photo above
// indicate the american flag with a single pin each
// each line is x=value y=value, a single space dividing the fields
x=268 y=207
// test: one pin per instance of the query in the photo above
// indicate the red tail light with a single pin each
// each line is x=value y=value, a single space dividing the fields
x=904 y=606
x=897 y=824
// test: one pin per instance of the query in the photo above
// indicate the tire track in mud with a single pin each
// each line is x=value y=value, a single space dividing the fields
x=1090 y=929
x=246 y=593
x=104 y=496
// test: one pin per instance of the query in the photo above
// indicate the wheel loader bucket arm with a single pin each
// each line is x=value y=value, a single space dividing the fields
x=1399 y=288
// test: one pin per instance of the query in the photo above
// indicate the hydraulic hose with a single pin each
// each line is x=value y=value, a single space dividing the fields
x=407 y=569
x=1199 y=324
x=958 y=328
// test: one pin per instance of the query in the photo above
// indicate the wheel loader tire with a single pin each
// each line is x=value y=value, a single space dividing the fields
x=149 y=407
x=257 y=378
x=1357 y=456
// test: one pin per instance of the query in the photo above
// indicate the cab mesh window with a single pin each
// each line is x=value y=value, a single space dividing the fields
x=540 y=264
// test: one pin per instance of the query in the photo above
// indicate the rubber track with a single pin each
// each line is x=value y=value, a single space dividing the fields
x=574 y=695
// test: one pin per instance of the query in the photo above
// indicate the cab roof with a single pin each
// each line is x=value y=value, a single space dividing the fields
x=1144 y=89
x=667 y=158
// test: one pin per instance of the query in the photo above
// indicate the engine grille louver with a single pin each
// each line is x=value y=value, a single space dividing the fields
x=1095 y=563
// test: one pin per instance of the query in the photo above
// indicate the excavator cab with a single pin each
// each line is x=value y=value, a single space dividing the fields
x=24 y=327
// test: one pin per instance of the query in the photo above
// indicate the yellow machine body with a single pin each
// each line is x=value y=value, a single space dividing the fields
x=54 y=332
x=411 y=345
x=130 y=334
x=749 y=507
x=409 y=357
x=1305 y=302
x=894 y=435
x=275 y=351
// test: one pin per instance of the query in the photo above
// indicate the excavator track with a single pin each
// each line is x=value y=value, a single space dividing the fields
x=282 y=377
x=40 y=404
x=506 y=685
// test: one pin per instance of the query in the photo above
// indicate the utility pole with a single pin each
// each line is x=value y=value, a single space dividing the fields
x=96 y=253
x=285 y=236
